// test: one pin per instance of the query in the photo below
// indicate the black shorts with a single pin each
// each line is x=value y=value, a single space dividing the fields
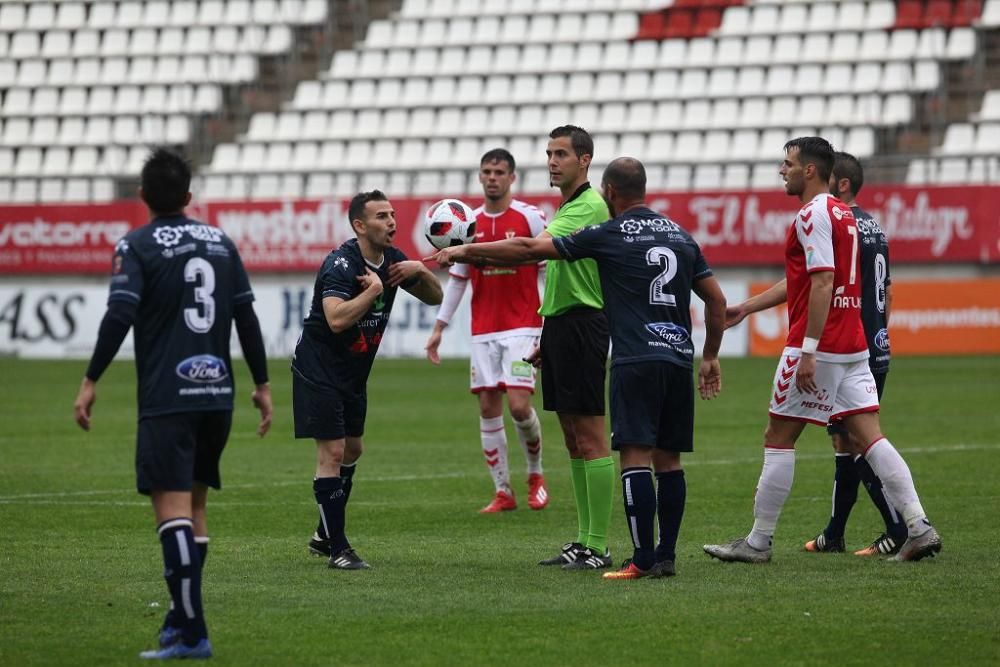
x=837 y=427
x=325 y=414
x=174 y=451
x=652 y=405
x=574 y=349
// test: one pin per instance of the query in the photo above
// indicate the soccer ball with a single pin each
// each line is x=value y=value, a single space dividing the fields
x=449 y=222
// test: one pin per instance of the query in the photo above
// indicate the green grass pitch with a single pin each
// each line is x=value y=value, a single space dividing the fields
x=80 y=568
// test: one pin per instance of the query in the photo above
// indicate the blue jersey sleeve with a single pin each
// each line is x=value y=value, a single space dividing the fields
x=701 y=268
x=586 y=242
x=126 y=274
x=339 y=278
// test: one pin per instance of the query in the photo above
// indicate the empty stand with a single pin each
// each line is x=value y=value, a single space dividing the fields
x=86 y=86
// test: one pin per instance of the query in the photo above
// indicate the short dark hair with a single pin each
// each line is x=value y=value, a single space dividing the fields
x=498 y=155
x=627 y=176
x=165 y=180
x=816 y=150
x=356 y=210
x=580 y=139
x=847 y=166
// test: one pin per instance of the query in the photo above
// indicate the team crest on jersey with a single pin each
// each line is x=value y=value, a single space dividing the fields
x=171 y=236
x=509 y=234
x=838 y=213
x=882 y=340
x=631 y=227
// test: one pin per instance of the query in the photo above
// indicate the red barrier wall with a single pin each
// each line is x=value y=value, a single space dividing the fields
x=933 y=224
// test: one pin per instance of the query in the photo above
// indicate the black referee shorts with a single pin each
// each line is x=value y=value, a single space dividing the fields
x=327 y=414
x=574 y=349
x=838 y=427
x=652 y=405
x=174 y=451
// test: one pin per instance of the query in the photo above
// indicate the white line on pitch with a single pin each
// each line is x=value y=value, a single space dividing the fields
x=688 y=462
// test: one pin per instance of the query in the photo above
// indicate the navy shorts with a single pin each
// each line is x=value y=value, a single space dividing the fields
x=327 y=414
x=574 y=349
x=174 y=451
x=838 y=427
x=652 y=405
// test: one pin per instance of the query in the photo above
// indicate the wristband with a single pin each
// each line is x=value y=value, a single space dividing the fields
x=809 y=345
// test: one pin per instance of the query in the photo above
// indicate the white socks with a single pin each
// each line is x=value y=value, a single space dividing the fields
x=772 y=490
x=898 y=484
x=529 y=432
x=494 y=440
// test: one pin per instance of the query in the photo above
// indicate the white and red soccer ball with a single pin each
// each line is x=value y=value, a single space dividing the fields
x=449 y=222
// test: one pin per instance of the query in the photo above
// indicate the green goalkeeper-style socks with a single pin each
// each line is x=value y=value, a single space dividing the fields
x=578 y=470
x=600 y=480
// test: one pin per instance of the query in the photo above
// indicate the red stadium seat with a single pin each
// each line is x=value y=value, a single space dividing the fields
x=966 y=11
x=937 y=13
x=651 y=26
x=680 y=23
x=708 y=19
x=909 y=14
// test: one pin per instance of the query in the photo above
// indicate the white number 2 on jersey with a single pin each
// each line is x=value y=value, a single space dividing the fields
x=666 y=258
x=199 y=270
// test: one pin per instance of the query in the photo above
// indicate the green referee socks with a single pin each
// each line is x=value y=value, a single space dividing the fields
x=578 y=469
x=600 y=475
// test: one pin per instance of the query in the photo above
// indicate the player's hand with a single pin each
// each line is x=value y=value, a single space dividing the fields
x=261 y=398
x=370 y=281
x=432 y=347
x=709 y=379
x=448 y=256
x=84 y=402
x=400 y=272
x=535 y=358
x=735 y=315
x=805 y=374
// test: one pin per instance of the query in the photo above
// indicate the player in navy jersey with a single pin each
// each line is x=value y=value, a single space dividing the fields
x=876 y=301
x=648 y=265
x=352 y=298
x=181 y=283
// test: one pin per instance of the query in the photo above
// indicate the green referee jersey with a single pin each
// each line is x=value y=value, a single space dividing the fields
x=573 y=284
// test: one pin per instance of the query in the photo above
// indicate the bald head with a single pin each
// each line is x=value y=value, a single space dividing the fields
x=624 y=184
x=628 y=178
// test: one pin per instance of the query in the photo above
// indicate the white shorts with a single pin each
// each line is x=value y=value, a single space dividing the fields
x=499 y=364
x=842 y=389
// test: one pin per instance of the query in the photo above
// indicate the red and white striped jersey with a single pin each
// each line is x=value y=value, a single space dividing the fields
x=824 y=237
x=504 y=298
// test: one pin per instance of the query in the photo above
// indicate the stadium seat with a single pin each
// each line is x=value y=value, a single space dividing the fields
x=84 y=162
x=50 y=190
x=76 y=190
x=909 y=14
x=959 y=139
x=952 y=171
x=25 y=191
x=990 y=17
x=987 y=139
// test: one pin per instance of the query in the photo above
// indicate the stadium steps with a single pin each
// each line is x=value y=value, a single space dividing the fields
x=964 y=85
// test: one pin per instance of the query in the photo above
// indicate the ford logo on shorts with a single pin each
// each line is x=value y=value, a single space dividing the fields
x=882 y=340
x=203 y=368
x=668 y=331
